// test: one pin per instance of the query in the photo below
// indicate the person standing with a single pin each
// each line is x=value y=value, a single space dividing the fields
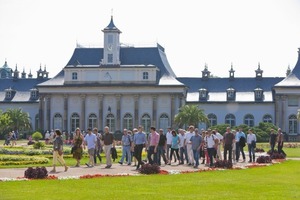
x=153 y=143
x=169 y=142
x=220 y=140
x=211 y=144
x=161 y=149
x=174 y=147
x=109 y=142
x=90 y=141
x=240 y=140
x=139 y=143
x=251 y=141
x=78 y=146
x=188 y=144
x=280 y=142
x=181 y=146
x=58 y=151
x=196 y=141
x=126 y=146
x=227 y=143
x=272 y=140
x=98 y=146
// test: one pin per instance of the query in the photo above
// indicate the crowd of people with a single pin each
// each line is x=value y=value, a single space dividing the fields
x=172 y=147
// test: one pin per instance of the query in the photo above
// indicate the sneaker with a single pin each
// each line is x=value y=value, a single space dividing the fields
x=120 y=163
x=87 y=164
x=66 y=168
x=129 y=164
x=108 y=166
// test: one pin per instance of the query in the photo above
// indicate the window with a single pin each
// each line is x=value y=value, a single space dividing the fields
x=8 y=94
x=111 y=122
x=202 y=94
x=267 y=118
x=292 y=101
x=128 y=121
x=92 y=121
x=34 y=93
x=293 y=124
x=74 y=76
x=230 y=94
x=258 y=92
x=110 y=58
x=110 y=39
x=212 y=118
x=145 y=75
x=74 y=121
x=230 y=119
x=249 y=120
x=58 y=121
x=164 y=122
x=146 y=123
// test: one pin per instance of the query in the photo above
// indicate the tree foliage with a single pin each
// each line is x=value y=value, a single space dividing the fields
x=190 y=115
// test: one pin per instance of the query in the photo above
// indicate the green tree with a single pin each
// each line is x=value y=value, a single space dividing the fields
x=20 y=120
x=190 y=115
x=5 y=122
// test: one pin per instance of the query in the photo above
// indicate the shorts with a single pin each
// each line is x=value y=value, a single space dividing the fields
x=91 y=151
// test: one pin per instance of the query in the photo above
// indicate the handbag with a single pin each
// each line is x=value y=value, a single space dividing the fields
x=73 y=149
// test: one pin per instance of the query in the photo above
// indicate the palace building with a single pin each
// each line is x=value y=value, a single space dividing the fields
x=124 y=86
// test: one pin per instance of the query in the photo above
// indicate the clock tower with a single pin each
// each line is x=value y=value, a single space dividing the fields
x=111 y=50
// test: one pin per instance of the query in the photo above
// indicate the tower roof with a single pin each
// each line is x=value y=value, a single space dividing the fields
x=111 y=26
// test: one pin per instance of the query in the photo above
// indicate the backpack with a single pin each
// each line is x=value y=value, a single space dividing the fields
x=242 y=141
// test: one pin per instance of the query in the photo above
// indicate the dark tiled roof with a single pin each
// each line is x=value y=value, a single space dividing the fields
x=19 y=84
x=128 y=56
x=222 y=84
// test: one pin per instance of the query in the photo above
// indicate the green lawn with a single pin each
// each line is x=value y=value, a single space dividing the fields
x=279 y=181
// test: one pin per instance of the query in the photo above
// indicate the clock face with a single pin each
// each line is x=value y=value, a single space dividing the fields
x=109 y=47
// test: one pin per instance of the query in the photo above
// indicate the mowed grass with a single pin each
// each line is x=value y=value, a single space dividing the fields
x=279 y=181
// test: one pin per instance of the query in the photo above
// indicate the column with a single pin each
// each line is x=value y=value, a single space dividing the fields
x=172 y=109
x=154 y=109
x=100 y=113
x=283 y=114
x=82 y=116
x=48 y=112
x=41 y=113
x=65 y=117
x=136 y=110
x=118 y=118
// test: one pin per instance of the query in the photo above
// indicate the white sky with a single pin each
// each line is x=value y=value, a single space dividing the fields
x=193 y=32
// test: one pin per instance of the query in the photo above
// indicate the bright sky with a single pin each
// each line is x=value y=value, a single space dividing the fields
x=193 y=32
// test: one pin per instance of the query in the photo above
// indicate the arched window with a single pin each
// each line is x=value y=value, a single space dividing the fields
x=92 y=120
x=146 y=122
x=128 y=121
x=249 y=120
x=212 y=118
x=58 y=121
x=164 y=122
x=145 y=75
x=267 y=118
x=74 y=121
x=293 y=124
x=230 y=119
x=111 y=122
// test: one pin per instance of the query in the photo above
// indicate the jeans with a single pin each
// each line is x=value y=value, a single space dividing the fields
x=168 y=151
x=126 y=152
x=177 y=154
x=272 y=147
x=161 y=153
x=251 y=153
x=280 y=146
x=196 y=157
x=150 y=153
x=228 y=147
x=138 y=153
x=211 y=152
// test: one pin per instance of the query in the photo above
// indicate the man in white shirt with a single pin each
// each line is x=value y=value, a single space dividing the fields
x=169 y=142
x=251 y=141
x=220 y=138
x=188 y=144
x=181 y=146
x=90 y=140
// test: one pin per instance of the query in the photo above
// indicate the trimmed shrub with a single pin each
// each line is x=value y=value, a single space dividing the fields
x=149 y=169
x=278 y=156
x=37 y=173
x=226 y=164
x=38 y=145
x=37 y=136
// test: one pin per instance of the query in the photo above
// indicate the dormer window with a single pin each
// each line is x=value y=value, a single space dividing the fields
x=258 y=92
x=34 y=93
x=9 y=93
x=230 y=94
x=74 y=76
x=145 y=75
x=202 y=94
